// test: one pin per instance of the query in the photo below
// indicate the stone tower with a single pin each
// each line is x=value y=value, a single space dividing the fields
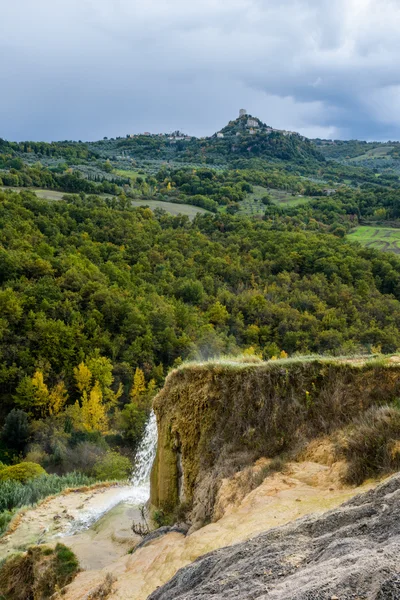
x=242 y=112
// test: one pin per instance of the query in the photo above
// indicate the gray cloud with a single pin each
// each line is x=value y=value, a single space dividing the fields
x=83 y=69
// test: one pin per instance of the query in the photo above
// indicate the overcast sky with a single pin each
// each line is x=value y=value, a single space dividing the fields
x=85 y=69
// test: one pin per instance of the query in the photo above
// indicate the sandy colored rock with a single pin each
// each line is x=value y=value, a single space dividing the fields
x=347 y=553
x=272 y=504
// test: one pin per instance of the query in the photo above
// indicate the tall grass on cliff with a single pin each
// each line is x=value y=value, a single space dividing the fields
x=371 y=444
x=15 y=495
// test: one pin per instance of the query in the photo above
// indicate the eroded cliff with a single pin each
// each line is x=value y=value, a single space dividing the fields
x=215 y=418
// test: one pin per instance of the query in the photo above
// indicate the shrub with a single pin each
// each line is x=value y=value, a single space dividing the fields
x=103 y=590
x=132 y=421
x=162 y=518
x=371 y=444
x=83 y=457
x=61 y=452
x=112 y=466
x=38 y=573
x=37 y=455
x=22 y=472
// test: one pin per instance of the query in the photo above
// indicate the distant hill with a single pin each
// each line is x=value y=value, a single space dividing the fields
x=380 y=157
x=357 y=149
x=248 y=136
x=245 y=137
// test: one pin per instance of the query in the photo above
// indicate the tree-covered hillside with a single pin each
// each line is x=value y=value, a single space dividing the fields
x=80 y=279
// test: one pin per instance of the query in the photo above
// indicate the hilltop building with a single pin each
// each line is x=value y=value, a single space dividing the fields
x=242 y=112
x=252 y=123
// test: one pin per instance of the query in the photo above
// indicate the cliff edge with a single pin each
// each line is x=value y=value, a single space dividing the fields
x=216 y=418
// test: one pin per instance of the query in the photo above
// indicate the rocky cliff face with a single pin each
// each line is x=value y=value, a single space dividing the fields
x=348 y=553
x=216 y=418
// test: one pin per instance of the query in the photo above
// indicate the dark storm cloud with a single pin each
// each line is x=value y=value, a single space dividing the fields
x=83 y=69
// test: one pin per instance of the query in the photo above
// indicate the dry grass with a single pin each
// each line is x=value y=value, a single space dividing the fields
x=371 y=444
x=103 y=590
x=242 y=361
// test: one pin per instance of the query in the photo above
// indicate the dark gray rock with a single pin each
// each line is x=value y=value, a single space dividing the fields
x=350 y=553
x=182 y=528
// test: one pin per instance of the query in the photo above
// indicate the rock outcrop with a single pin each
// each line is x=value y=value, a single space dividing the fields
x=216 y=418
x=348 y=553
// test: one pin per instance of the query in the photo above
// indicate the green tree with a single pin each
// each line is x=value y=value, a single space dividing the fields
x=15 y=431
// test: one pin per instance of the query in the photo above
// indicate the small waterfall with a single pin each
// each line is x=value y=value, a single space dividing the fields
x=146 y=454
x=136 y=494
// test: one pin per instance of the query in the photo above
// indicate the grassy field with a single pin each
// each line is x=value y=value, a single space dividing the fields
x=45 y=194
x=252 y=205
x=379 y=152
x=386 y=239
x=130 y=173
x=170 y=207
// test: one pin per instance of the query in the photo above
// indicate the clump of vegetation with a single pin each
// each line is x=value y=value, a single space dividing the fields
x=257 y=477
x=22 y=472
x=113 y=467
x=371 y=444
x=38 y=573
x=162 y=517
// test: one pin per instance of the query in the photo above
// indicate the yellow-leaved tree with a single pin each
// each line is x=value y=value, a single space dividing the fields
x=93 y=380
x=37 y=399
x=40 y=394
x=139 y=385
x=94 y=410
x=57 y=398
x=141 y=394
x=83 y=378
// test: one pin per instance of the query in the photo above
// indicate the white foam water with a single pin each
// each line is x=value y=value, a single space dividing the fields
x=146 y=454
x=136 y=494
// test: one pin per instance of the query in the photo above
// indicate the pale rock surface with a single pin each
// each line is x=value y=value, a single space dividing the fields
x=348 y=553
x=305 y=488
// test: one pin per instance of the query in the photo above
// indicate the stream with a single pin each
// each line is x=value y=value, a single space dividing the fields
x=135 y=494
x=95 y=523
